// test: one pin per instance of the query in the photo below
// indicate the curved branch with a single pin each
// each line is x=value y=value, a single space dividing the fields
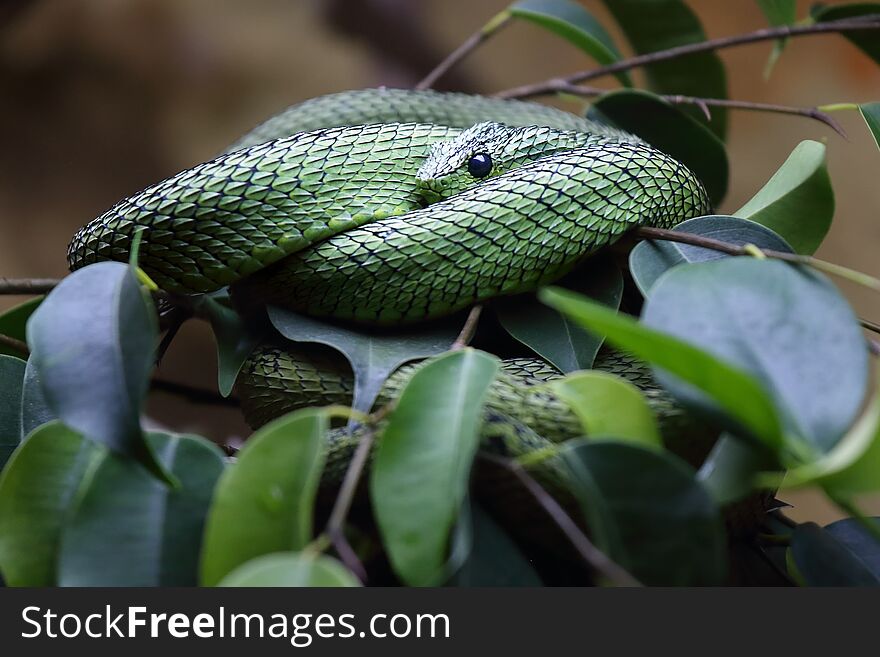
x=27 y=285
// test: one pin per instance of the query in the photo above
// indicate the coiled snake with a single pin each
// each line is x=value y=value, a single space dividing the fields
x=390 y=206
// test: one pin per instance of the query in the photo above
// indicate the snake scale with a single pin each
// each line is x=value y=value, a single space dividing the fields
x=384 y=207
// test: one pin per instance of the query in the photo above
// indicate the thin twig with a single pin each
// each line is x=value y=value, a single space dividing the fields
x=871 y=326
x=597 y=559
x=471 y=44
x=467 y=331
x=192 y=393
x=14 y=343
x=561 y=86
x=27 y=285
x=766 y=34
x=335 y=529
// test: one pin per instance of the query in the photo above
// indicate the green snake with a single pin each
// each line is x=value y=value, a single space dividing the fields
x=389 y=206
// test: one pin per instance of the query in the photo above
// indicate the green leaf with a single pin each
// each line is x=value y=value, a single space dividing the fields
x=13 y=324
x=668 y=128
x=662 y=24
x=823 y=560
x=608 y=406
x=11 y=381
x=871 y=114
x=738 y=394
x=372 y=355
x=652 y=258
x=730 y=470
x=495 y=560
x=573 y=23
x=128 y=529
x=423 y=461
x=553 y=336
x=866 y=41
x=778 y=12
x=291 y=570
x=35 y=411
x=264 y=502
x=787 y=326
x=37 y=489
x=235 y=341
x=853 y=535
x=798 y=201
x=647 y=512
x=93 y=342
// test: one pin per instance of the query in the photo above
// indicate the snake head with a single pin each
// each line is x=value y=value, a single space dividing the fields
x=459 y=163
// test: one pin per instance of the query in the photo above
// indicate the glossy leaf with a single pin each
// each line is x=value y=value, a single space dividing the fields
x=37 y=489
x=13 y=324
x=670 y=129
x=852 y=534
x=11 y=380
x=866 y=41
x=372 y=355
x=652 y=258
x=871 y=114
x=787 y=326
x=608 y=406
x=646 y=510
x=264 y=502
x=662 y=24
x=495 y=559
x=823 y=560
x=128 y=529
x=798 y=201
x=552 y=335
x=93 y=343
x=423 y=461
x=730 y=471
x=574 y=23
x=738 y=394
x=35 y=410
x=291 y=569
x=235 y=341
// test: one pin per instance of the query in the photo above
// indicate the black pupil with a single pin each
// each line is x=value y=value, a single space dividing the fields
x=480 y=165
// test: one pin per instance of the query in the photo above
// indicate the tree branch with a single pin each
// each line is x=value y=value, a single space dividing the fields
x=467 y=331
x=561 y=86
x=471 y=44
x=597 y=559
x=192 y=393
x=27 y=285
x=14 y=343
x=766 y=34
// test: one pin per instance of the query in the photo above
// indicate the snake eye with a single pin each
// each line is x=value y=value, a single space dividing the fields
x=480 y=165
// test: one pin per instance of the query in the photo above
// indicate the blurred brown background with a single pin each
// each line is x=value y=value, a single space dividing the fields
x=100 y=98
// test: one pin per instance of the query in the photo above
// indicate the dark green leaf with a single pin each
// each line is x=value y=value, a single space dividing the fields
x=659 y=524
x=651 y=258
x=291 y=569
x=420 y=476
x=822 y=560
x=34 y=409
x=13 y=323
x=871 y=113
x=235 y=341
x=373 y=356
x=852 y=534
x=574 y=23
x=867 y=40
x=669 y=129
x=553 y=336
x=798 y=201
x=608 y=406
x=495 y=560
x=11 y=380
x=37 y=489
x=265 y=501
x=93 y=343
x=729 y=472
x=739 y=395
x=128 y=529
x=663 y=24
x=788 y=327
